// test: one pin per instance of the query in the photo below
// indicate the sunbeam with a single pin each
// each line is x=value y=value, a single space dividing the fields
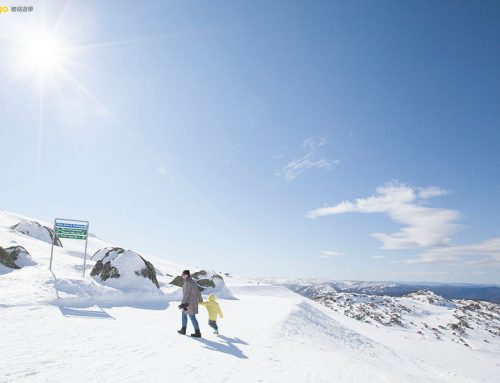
x=39 y=144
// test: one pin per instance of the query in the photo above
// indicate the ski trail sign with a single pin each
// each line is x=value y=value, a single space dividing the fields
x=70 y=229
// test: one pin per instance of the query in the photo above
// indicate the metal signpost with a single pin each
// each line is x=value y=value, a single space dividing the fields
x=71 y=229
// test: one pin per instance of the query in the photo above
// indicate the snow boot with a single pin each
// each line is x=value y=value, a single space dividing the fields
x=197 y=334
x=182 y=331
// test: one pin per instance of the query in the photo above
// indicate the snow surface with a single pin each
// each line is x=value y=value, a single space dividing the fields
x=59 y=327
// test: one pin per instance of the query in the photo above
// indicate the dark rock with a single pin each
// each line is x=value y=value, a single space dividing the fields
x=177 y=281
x=105 y=270
x=202 y=278
x=10 y=255
x=7 y=259
x=149 y=272
x=103 y=266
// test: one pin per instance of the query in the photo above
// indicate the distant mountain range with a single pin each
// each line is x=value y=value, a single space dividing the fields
x=458 y=313
x=310 y=287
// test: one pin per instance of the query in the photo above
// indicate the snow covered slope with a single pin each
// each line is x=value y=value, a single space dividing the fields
x=59 y=327
x=474 y=324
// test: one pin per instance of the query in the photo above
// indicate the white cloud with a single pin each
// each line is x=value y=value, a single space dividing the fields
x=424 y=227
x=431 y=191
x=378 y=256
x=434 y=258
x=330 y=254
x=488 y=252
x=309 y=160
x=421 y=273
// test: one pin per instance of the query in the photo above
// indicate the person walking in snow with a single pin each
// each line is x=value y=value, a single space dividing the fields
x=214 y=310
x=191 y=297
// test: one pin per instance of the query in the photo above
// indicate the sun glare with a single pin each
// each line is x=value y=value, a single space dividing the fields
x=42 y=53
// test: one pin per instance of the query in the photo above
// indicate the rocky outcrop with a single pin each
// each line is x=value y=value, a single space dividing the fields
x=118 y=263
x=37 y=231
x=177 y=281
x=429 y=297
x=205 y=280
x=15 y=257
x=149 y=272
x=7 y=260
x=103 y=267
x=420 y=312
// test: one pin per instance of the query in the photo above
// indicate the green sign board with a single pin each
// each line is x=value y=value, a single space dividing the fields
x=71 y=230
x=71 y=236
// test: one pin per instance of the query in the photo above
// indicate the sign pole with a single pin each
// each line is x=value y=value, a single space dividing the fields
x=85 y=256
x=53 y=240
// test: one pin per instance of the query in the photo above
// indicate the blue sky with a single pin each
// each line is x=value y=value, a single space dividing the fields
x=348 y=140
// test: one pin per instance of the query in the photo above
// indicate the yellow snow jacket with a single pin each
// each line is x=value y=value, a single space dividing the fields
x=213 y=308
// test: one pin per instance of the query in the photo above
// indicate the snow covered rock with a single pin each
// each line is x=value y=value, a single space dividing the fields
x=123 y=269
x=385 y=310
x=310 y=290
x=15 y=257
x=429 y=297
x=207 y=281
x=37 y=231
x=7 y=260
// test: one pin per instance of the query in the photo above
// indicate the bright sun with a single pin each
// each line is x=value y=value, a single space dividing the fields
x=42 y=53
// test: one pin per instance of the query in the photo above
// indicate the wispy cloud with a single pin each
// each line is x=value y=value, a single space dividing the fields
x=430 y=229
x=485 y=254
x=423 y=226
x=420 y=273
x=378 y=256
x=309 y=160
x=330 y=254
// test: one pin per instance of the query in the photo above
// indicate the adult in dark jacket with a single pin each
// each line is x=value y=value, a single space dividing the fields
x=191 y=297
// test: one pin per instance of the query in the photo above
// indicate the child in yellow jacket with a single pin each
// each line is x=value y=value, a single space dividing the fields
x=213 y=309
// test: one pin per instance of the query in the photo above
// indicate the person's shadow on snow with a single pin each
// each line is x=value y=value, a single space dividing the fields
x=227 y=347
